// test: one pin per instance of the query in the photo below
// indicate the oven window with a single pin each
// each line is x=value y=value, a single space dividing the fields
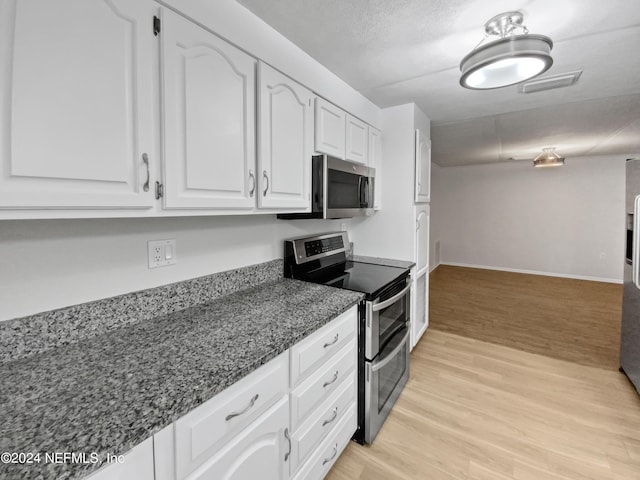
x=344 y=189
x=392 y=319
x=390 y=375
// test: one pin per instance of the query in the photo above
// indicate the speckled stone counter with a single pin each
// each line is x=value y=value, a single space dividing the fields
x=109 y=392
x=388 y=262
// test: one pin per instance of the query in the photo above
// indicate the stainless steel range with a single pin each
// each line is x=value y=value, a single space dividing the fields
x=383 y=346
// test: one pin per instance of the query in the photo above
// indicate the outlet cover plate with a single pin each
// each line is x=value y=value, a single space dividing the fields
x=161 y=253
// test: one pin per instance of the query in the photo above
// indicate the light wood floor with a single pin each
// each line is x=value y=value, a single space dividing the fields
x=573 y=320
x=479 y=411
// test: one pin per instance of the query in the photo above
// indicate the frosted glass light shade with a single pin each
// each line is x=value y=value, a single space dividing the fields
x=506 y=61
x=548 y=158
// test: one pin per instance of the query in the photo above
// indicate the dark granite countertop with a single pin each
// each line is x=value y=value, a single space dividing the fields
x=387 y=262
x=108 y=393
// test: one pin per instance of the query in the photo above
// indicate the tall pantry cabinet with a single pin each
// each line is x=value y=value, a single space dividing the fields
x=405 y=218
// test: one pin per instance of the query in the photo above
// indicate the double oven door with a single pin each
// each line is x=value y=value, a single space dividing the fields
x=386 y=354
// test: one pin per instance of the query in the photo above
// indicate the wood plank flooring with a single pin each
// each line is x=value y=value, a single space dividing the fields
x=474 y=410
x=574 y=320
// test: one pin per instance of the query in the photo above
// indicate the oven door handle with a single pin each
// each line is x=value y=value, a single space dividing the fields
x=378 y=365
x=391 y=301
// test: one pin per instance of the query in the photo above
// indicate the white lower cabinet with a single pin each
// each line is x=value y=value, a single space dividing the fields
x=306 y=438
x=137 y=464
x=266 y=426
x=328 y=452
x=261 y=451
x=420 y=314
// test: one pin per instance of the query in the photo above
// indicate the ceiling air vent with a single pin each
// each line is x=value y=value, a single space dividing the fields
x=547 y=83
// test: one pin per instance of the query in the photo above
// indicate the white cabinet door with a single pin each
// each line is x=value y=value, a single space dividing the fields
x=422 y=238
x=330 y=129
x=423 y=168
x=260 y=451
x=285 y=141
x=76 y=104
x=375 y=161
x=420 y=300
x=137 y=464
x=208 y=93
x=357 y=140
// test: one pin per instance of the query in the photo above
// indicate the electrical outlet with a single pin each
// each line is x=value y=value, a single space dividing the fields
x=161 y=253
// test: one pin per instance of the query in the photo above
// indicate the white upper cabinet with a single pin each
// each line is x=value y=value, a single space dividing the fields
x=76 y=104
x=341 y=135
x=357 y=140
x=375 y=161
x=423 y=168
x=285 y=136
x=330 y=130
x=208 y=95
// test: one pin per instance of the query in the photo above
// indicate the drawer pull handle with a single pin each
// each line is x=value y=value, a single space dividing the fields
x=286 y=435
x=333 y=417
x=333 y=455
x=236 y=414
x=332 y=342
x=335 y=377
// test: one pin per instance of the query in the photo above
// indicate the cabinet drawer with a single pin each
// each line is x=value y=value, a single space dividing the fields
x=308 y=354
x=203 y=431
x=315 y=389
x=325 y=456
x=307 y=438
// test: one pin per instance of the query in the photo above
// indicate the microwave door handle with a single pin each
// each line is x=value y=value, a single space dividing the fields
x=635 y=261
x=360 y=190
x=366 y=192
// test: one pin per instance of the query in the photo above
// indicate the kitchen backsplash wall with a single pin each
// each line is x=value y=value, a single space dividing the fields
x=37 y=333
x=50 y=264
x=566 y=221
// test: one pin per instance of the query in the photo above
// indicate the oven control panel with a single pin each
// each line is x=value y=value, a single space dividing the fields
x=306 y=249
x=314 y=247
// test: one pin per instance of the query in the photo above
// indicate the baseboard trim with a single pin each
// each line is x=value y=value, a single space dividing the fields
x=534 y=272
x=434 y=267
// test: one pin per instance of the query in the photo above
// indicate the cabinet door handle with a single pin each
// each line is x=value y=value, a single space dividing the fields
x=335 y=377
x=253 y=183
x=333 y=455
x=332 y=342
x=145 y=160
x=264 y=174
x=244 y=410
x=419 y=187
x=286 y=435
x=333 y=417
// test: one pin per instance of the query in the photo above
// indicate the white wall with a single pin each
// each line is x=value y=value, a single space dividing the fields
x=48 y=264
x=566 y=221
x=386 y=233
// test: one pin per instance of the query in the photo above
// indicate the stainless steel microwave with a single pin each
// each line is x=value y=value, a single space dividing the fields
x=339 y=189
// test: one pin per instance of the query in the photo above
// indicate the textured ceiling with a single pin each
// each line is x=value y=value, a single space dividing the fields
x=401 y=51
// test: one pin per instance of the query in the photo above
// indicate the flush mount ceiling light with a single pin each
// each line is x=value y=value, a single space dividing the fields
x=508 y=60
x=548 y=158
